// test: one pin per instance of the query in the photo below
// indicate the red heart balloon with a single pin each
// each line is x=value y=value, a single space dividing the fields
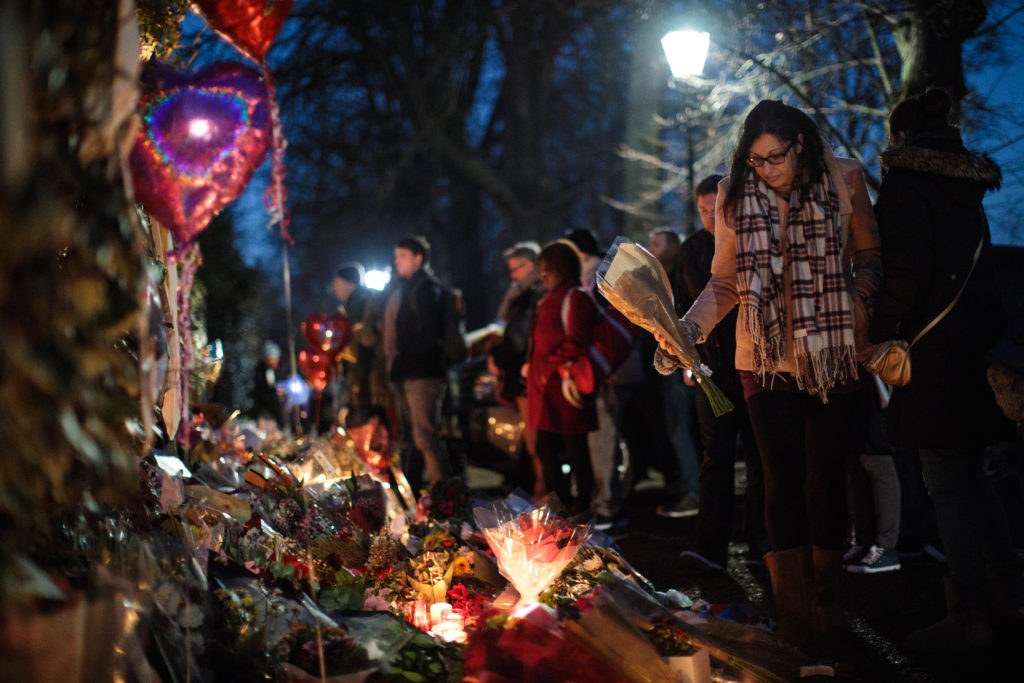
x=317 y=368
x=327 y=333
x=249 y=25
x=202 y=137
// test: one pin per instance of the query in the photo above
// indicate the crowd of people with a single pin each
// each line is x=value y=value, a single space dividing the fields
x=786 y=293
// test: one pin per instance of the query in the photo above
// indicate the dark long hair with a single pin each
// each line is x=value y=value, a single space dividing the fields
x=927 y=112
x=786 y=123
x=562 y=259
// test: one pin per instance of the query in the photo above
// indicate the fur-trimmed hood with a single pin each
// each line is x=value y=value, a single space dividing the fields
x=961 y=164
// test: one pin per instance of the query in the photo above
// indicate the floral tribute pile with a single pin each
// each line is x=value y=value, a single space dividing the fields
x=264 y=558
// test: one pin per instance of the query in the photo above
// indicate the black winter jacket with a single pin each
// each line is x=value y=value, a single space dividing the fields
x=419 y=330
x=930 y=220
x=691 y=273
x=510 y=354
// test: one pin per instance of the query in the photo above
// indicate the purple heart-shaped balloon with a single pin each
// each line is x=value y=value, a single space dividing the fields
x=203 y=135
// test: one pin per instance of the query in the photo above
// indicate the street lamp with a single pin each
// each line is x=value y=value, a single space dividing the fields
x=686 y=52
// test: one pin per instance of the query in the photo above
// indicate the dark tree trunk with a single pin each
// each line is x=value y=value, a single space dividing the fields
x=930 y=40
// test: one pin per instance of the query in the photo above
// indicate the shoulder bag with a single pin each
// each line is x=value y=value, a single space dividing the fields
x=891 y=361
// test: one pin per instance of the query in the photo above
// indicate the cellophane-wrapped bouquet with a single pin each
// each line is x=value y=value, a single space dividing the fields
x=635 y=283
x=532 y=546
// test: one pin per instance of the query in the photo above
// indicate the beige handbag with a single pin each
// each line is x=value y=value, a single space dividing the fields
x=891 y=361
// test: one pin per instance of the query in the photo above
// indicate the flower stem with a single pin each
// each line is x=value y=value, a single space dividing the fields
x=720 y=403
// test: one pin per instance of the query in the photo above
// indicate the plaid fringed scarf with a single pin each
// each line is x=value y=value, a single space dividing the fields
x=820 y=306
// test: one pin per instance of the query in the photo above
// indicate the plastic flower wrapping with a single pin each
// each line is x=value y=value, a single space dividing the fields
x=611 y=632
x=636 y=284
x=532 y=546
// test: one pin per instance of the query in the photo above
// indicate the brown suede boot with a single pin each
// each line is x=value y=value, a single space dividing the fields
x=966 y=629
x=792 y=573
x=827 y=614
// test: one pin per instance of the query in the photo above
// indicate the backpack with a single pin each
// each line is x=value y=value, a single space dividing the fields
x=453 y=338
x=613 y=341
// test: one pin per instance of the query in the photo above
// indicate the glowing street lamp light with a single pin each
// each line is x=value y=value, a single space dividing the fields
x=686 y=52
x=376 y=279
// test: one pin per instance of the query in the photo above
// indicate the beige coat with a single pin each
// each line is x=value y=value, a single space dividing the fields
x=718 y=297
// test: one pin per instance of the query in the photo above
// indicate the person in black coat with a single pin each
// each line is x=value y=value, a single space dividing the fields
x=931 y=221
x=416 y=366
x=356 y=368
x=508 y=357
x=719 y=434
x=266 y=399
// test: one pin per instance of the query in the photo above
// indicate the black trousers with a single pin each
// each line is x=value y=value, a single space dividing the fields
x=804 y=444
x=553 y=449
x=717 y=480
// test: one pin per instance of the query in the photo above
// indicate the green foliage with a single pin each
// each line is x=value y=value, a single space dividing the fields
x=70 y=275
x=160 y=26
x=346 y=594
x=669 y=639
x=424 y=659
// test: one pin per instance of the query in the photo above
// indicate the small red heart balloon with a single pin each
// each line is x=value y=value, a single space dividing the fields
x=202 y=137
x=327 y=333
x=249 y=25
x=317 y=368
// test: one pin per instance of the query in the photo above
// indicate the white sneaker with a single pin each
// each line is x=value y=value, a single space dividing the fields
x=876 y=560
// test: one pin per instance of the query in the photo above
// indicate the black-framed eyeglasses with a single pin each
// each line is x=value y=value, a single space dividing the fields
x=773 y=159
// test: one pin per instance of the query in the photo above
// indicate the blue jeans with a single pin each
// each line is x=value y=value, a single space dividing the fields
x=680 y=412
x=972 y=522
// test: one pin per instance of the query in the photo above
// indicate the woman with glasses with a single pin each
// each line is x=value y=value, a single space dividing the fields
x=796 y=248
x=562 y=330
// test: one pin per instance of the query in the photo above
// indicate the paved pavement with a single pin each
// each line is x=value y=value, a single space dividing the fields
x=881 y=608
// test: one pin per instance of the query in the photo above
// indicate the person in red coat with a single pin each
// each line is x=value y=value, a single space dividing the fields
x=562 y=331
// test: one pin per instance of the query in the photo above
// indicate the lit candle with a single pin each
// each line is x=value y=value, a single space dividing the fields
x=421 y=620
x=438 y=611
x=452 y=628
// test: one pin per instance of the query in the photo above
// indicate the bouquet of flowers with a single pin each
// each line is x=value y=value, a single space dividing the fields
x=586 y=571
x=532 y=548
x=329 y=650
x=533 y=646
x=669 y=639
x=449 y=499
x=610 y=632
x=430 y=573
x=635 y=283
x=369 y=501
